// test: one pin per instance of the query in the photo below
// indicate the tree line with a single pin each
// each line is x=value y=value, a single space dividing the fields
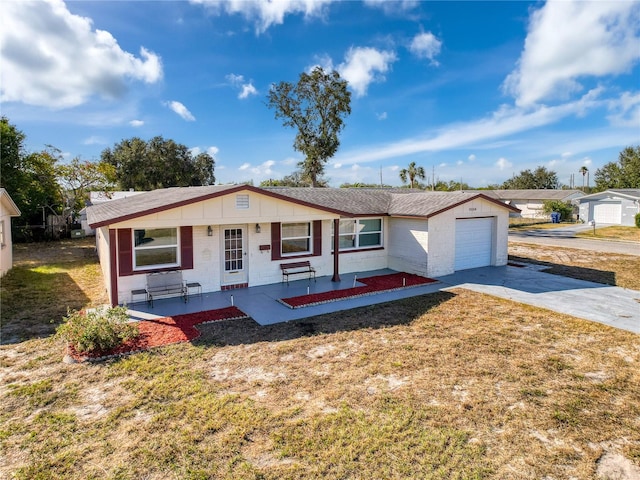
x=42 y=183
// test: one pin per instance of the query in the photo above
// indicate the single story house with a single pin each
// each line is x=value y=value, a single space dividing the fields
x=617 y=206
x=8 y=209
x=234 y=236
x=531 y=202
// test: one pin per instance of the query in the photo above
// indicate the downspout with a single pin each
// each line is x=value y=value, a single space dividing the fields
x=336 y=250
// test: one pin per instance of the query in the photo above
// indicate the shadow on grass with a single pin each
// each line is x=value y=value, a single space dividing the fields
x=247 y=331
x=34 y=300
x=580 y=273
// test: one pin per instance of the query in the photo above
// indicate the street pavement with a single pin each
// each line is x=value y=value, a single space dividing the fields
x=565 y=237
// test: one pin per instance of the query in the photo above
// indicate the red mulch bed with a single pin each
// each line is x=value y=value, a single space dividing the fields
x=165 y=331
x=380 y=283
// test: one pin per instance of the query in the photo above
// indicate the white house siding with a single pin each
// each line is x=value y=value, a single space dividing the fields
x=530 y=208
x=6 y=249
x=102 y=248
x=219 y=212
x=408 y=241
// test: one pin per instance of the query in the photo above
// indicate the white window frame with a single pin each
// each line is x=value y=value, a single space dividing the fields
x=158 y=266
x=357 y=232
x=2 y=234
x=309 y=238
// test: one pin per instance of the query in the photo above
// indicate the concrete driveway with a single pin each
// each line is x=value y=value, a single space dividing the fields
x=614 y=306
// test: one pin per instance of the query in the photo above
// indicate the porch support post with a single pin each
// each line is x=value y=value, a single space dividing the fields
x=336 y=250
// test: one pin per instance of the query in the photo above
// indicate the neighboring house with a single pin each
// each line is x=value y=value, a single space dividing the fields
x=615 y=206
x=234 y=236
x=531 y=202
x=8 y=209
x=101 y=197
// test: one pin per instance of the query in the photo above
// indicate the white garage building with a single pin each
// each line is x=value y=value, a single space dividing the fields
x=615 y=206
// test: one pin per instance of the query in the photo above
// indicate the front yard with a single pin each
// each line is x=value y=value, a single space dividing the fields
x=450 y=385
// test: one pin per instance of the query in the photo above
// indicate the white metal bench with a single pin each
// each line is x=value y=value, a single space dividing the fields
x=166 y=284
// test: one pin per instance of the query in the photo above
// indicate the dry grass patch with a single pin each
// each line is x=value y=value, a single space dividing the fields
x=610 y=268
x=613 y=233
x=449 y=385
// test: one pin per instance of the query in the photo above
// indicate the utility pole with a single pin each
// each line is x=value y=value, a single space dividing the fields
x=433 y=178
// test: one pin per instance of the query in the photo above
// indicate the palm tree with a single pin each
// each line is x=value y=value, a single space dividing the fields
x=412 y=173
x=583 y=170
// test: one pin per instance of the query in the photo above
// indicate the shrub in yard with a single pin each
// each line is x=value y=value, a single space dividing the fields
x=565 y=209
x=638 y=220
x=98 y=330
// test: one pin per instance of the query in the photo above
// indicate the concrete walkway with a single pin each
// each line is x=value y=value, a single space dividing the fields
x=614 y=306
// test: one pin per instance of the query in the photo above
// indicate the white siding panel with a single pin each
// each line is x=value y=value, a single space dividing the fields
x=474 y=242
x=408 y=243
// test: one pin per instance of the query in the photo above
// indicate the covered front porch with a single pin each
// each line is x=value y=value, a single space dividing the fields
x=262 y=303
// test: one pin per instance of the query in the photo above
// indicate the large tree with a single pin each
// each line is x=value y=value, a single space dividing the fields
x=79 y=177
x=30 y=178
x=315 y=106
x=158 y=163
x=625 y=173
x=412 y=173
x=540 y=178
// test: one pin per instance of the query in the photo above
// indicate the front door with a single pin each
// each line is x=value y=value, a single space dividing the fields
x=234 y=255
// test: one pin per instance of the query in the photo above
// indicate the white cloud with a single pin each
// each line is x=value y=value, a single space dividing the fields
x=246 y=89
x=181 y=110
x=471 y=157
x=213 y=151
x=507 y=120
x=503 y=163
x=53 y=58
x=459 y=162
x=625 y=110
x=381 y=116
x=364 y=65
x=244 y=166
x=337 y=165
x=266 y=13
x=136 y=123
x=566 y=154
x=426 y=45
x=395 y=7
x=264 y=168
x=572 y=39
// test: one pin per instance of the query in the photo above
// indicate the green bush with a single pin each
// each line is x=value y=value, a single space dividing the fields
x=565 y=209
x=638 y=220
x=97 y=330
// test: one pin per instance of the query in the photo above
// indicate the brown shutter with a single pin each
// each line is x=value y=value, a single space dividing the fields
x=317 y=238
x=186 y=247
x=125 y=252
x=276 y=238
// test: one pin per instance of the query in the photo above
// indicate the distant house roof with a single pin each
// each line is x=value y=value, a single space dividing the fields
x=99 y=197
x=630 y=193
x=346 y=202
x=9 y=204
x=531 y=194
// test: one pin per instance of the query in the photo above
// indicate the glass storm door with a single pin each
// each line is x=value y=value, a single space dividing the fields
x=234 y=256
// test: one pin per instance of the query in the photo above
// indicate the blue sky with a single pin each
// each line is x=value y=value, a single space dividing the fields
x=471 y=90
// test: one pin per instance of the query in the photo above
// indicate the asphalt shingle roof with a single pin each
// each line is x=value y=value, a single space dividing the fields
x=531 y=194
x=342 y=201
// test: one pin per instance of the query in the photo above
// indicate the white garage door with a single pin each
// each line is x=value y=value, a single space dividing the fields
x=474 y=242
x=607 y=212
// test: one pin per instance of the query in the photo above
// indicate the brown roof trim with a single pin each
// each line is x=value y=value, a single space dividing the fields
x=209 y=196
